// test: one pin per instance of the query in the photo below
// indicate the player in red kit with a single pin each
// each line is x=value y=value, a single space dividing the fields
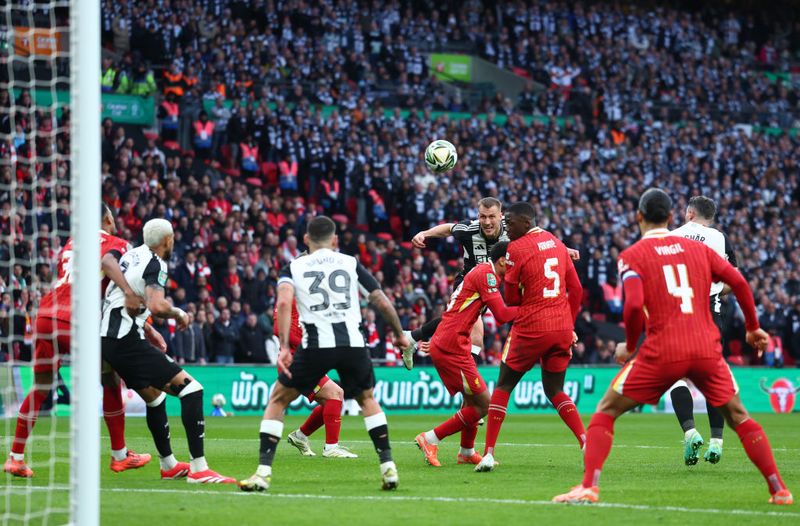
x=52 y=339
x=450 y=350
x=329 y=397
x=542 y=280
x=666 y=281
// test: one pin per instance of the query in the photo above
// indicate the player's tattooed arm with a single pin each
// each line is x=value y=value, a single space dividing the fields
x=160 y=306
x=438 y=231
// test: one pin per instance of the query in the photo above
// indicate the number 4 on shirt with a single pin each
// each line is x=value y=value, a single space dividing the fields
x=679 y=287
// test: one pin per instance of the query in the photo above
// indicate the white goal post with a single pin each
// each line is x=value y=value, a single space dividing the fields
x=86 y=165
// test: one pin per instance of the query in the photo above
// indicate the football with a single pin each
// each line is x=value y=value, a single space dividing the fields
x=440 y=156
x=218 y=400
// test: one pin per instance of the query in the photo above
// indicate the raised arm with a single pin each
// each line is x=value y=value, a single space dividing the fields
x=439 y=231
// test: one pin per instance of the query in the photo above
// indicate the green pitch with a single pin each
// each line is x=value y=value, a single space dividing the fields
x=645 y=479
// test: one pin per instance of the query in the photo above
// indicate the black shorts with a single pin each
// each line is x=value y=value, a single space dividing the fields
x=352 y=363
x=139 y=363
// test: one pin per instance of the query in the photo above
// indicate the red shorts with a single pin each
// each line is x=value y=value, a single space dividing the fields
x=644 y=380
x=51 y=341
x=458 y=371
x=322 y=381
x=552 y=349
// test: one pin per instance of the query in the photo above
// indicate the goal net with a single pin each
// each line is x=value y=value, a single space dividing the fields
x=43 y=204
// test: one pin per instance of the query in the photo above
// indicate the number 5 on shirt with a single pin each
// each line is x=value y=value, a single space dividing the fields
x=551 y=274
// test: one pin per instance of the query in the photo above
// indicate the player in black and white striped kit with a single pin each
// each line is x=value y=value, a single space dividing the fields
x=143 y=366
x=326 y=284
x=700 y=214
x=477 y=237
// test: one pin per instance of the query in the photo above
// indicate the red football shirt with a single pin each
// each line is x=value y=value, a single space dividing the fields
x=676 y=275
x=479 y=287
x=296 y=332
x=540 y=272
x=57 y=303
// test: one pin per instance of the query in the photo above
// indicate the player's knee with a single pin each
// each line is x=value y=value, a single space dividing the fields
x=330 y=391
x=191 y=387
x=109 y=380
x=551 y=391
x=734 y=412
x=481 y=404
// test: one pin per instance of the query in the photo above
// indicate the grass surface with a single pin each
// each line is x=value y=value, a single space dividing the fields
x=644 y=480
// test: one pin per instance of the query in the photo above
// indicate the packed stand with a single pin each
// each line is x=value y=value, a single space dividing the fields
x=243 y=185
x=606 y=61
x=234 y=232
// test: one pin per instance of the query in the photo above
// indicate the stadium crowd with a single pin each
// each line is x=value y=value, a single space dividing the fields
x=596 y=58
x=240 y=190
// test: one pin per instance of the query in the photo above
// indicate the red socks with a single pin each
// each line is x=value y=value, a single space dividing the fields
x=598 y=446
x=114 y=415
x=332 y=415
x=758 y=450
x=28 y=412
x=468 y=435
x=497 y=413
x=465 y=418
x=314 y=420
x=569 y=414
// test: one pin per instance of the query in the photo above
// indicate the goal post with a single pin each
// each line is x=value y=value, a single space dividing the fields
x=86 y=167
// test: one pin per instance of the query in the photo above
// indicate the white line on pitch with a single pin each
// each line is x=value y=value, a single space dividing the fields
x=566 y=444
x=465 y=500
x=401 y=498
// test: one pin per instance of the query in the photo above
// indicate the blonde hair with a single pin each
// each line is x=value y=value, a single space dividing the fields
x=155 y=231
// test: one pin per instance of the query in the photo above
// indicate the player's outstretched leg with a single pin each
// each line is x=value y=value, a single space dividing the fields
x=299 y=437
x=158 y=424
x=683 y=404
x=270 y=433
x=717 y=423
x=28 y=413
x=553 y=384
x=378 y=429
x=122 y=458
x=599 y=439
x=758 y=450
x=420 y=334
x=465 y=419
x=50 y=336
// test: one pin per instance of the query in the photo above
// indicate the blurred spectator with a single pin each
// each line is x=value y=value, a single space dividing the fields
x=225 y=338
x=252 y=342
x=190 y=344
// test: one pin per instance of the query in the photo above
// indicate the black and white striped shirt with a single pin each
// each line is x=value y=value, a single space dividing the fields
x=142 y=268
x=326 y=285
x=476 y=247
